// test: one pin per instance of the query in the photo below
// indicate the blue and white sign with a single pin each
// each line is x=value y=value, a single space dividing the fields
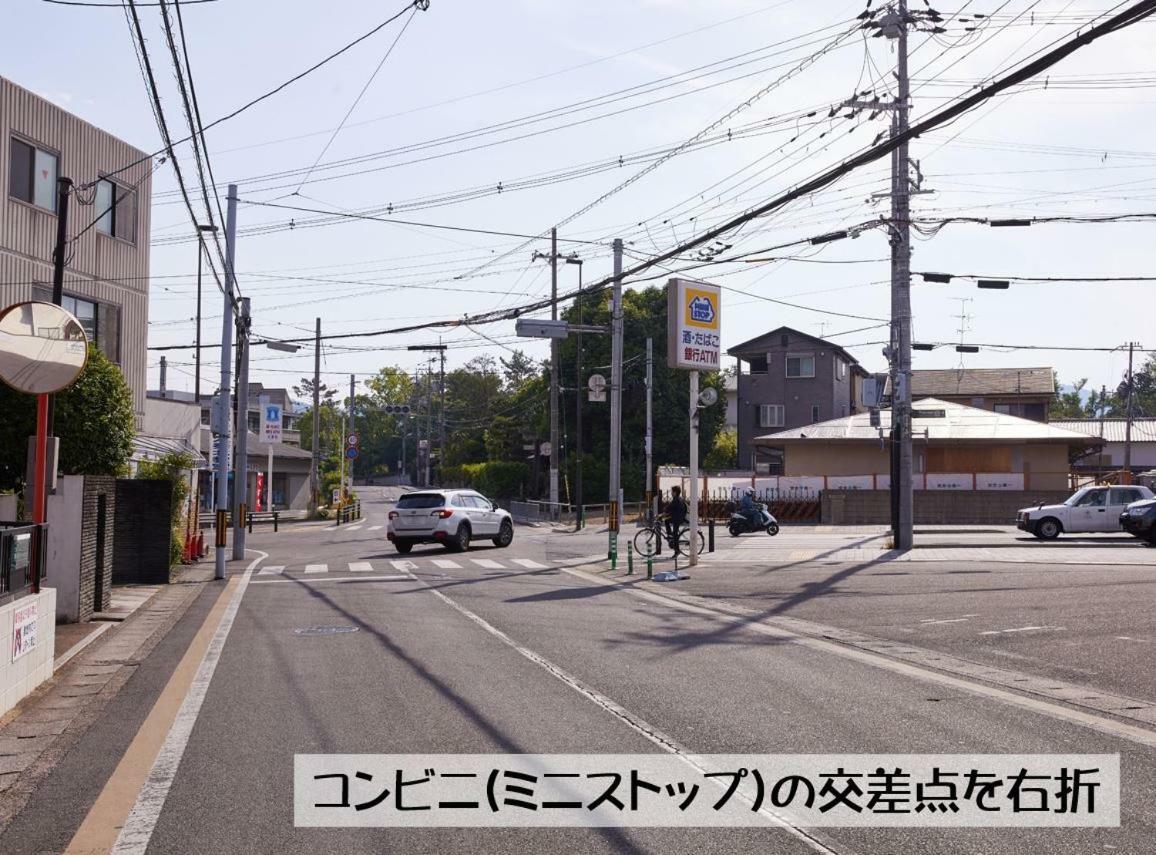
x=270 y=421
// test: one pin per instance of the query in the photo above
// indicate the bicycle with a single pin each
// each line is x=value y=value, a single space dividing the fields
x=647 y=537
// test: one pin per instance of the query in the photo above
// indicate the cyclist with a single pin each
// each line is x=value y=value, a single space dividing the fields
x=676 y=515
x=750 y=509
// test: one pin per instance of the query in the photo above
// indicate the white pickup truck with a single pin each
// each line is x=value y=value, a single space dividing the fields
x=1089 y=509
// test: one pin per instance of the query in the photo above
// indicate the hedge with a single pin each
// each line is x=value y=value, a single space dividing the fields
x=495 y=479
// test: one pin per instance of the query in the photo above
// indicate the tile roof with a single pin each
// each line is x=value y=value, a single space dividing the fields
x=1111 y=430
x=959 y=424
x=983 y=381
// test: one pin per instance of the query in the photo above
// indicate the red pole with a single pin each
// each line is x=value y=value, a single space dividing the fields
x=40 y=487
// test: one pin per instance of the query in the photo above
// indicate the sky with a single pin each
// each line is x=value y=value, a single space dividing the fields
x=542 y=98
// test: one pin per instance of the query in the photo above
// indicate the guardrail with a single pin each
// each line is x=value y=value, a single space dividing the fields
x=263 y=516
x=349 y=513
x=22 y=556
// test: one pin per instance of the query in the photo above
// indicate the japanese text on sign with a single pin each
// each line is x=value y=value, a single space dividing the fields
x=694 y=325
x=661 y=790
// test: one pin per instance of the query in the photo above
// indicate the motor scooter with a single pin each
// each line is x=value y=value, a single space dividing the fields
x=739 y=524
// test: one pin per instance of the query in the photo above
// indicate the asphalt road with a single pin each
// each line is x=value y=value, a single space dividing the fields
x=427 y=669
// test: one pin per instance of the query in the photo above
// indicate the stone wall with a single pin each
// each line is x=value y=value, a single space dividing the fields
x=934 y=507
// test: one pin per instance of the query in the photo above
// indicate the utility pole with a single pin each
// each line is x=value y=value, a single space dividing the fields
x=616 y=386
x=341 y=463
x=241 y=462
x=314 y=466
x=895 y=25
x=693 y=500
x=224 y=403
x=554 y=372
x=1128 y=416
x=352 y=429
x=428 y=419
x=164 y=376
x=442 y=407
x=649 y=491
x=578 y=389
x=201 y=230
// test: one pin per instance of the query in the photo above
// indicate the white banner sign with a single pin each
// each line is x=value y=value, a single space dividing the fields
x=25 y=623
x=694 y=328
x=270 y=421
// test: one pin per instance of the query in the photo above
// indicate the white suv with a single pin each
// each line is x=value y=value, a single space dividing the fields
x=1089 y=509
x=449 y=517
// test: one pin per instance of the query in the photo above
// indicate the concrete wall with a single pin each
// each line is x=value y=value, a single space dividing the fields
x=62 y=571
x=20 y=678
x=1143 y=454
x=934 y=507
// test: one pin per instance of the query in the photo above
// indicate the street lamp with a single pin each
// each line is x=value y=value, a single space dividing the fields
x=200 y=256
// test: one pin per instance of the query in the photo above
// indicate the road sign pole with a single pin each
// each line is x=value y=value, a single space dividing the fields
x=241 y=463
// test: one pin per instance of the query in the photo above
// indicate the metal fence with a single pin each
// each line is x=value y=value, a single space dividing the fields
x=22 y=554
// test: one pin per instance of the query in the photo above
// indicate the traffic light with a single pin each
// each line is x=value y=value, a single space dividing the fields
x=397 y=409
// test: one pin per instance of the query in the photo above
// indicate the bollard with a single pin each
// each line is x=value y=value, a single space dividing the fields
x=649 y=566
x=710 y=535
x=274 y=521
x=629 y=558
x=658 y=540
x=250 y=526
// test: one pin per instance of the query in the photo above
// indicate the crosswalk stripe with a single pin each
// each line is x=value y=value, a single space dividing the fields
x=403 y=565
x=360 y=567
x=316 y=568
x=526 y=562
x=354 y=528
x=446 y=564
x=487 y=563
x=272 y=570
x=375 y=528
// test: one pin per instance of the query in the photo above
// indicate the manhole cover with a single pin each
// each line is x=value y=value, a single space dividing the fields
x=324 y=630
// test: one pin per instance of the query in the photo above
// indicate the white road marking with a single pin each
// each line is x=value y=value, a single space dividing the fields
x=814 y=840
x=354 y=527
x=375 y=528
x=335 y=579
x=316 y=568
x=1139 y=735
x=526 y=562
x=488 y=563
x=406 y=566
x=271 y=570
x=1021 y=629
x=446 y=564
x=360 y=567
x=930 y=622
x=134 y=837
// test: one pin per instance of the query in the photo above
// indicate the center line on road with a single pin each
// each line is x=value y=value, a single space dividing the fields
x=360 y=567
x=1021 y=629
x=815 y=840
x=446 y=564
x=316 y=568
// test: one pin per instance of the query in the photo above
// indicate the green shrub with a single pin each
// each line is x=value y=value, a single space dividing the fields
x=174 y=468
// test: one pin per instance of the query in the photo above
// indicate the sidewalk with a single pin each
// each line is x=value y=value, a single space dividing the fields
x=982 y=544
x=42 y=728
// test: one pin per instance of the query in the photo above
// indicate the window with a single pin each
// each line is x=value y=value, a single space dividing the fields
x=784 y=340
x=801 y=365
x=32 y=175
x=254 y=422
x=814 y=413
x=421 y=501
x=1124 y=496
x=758 y=364
x=840 y=368
x=1005 y=409
x=206 y=416
x=770 y=415
x=1093 y=499
x=100 y=321
x=116 y=210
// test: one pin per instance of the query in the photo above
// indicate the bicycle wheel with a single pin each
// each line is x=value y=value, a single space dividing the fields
x=644 y=541
x=684 y=542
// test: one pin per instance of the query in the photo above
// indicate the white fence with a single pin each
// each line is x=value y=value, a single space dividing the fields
x=786 y=485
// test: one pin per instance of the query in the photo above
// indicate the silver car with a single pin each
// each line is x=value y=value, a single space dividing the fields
x=452 y=518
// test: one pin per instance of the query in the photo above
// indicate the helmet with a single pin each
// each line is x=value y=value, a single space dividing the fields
x=749 y=491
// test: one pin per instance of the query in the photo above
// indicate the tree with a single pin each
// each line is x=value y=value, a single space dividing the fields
x=305 y=390
x=725 y=453
x=1143 y=391
x=173 y=467
x=1070 y=404
x=94 y=420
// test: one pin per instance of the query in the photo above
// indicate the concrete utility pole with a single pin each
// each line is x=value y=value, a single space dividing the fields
x=241 y=462
x=692 y=558
x=352 y=428
x=578 y=389
x=902 y=474
x=442 y=406
x=649 y=492
x=1128 y=414
x=164 y=376
x=224 y=402
x=554 y=371
x=314 y=466
x=428 y=419
x=616 y=385
x=201 y=230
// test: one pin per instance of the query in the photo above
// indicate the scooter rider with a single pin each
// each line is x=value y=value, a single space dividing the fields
x=750 y=509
